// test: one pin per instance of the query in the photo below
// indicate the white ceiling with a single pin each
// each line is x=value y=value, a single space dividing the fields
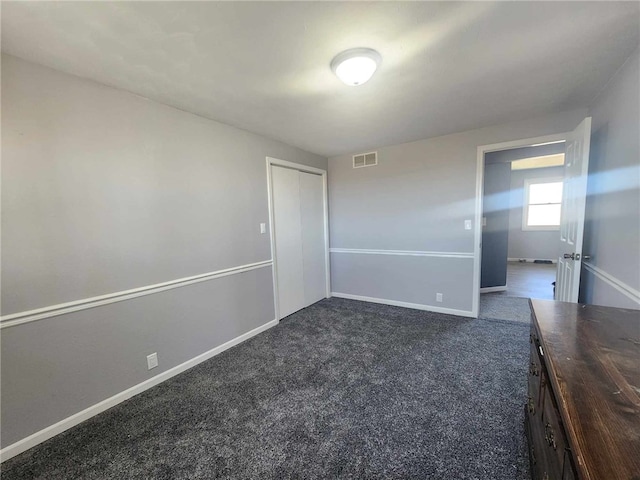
x=264 y=66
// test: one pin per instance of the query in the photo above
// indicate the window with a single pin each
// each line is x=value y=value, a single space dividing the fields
x=542 y=204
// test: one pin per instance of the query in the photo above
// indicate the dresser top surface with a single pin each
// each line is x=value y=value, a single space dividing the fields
x=593 y=357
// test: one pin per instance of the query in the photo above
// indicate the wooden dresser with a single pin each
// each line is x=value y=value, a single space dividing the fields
x=583 y=411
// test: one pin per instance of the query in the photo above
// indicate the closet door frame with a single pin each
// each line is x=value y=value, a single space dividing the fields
x=302 y=168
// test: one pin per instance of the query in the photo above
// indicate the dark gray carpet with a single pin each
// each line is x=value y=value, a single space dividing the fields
x=342 y=389
x=501 y=307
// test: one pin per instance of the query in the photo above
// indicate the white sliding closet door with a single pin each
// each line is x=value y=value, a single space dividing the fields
x=313 y=248
x=299 y=230
x=288 y=233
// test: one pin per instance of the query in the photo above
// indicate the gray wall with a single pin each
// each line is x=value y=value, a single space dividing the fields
x=495 y=230
x=104 y=191
x=541 y=245
x=416 y=199
x=612 y=231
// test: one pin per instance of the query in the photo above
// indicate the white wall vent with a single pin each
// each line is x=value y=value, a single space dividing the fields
x=365 y=159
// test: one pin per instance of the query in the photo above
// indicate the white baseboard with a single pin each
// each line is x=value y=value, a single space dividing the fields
x=531 y=260
x=59 y=427
x=395 y=303
x=502 y=288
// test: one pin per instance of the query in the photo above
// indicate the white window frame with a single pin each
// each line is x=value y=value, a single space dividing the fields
x=525 y=206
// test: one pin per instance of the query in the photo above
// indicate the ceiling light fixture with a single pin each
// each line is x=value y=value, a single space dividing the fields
x=356 y=66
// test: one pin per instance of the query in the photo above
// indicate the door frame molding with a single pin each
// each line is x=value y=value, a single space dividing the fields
x=477 y=234
x=272 y=235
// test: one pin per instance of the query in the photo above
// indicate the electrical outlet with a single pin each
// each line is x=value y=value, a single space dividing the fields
x=438 y=297
x=263 y=228
x=152 y=361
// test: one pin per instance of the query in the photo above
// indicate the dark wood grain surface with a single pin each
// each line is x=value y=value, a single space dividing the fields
x=593 y=357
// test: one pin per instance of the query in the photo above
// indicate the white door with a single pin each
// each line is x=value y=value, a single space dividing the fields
x=574 y=195
x=299 y=238
x=313 y=248
x=288 y=235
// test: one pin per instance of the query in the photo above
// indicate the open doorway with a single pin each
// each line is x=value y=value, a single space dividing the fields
x=539 y=203
x=521 y=220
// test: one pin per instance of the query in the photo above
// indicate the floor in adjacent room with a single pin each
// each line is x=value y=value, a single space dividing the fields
x=341 y=389
x=530 y=280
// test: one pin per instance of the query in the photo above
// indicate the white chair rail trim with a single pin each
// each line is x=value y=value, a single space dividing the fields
x=612 y=281
x=19 y=318
x=411 y=253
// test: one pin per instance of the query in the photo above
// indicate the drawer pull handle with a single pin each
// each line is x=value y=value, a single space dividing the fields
x=549 y=435
x=533 y=370
x=532 y=406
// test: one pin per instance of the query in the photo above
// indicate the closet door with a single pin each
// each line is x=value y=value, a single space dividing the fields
x=313 y=248
x=288 y=235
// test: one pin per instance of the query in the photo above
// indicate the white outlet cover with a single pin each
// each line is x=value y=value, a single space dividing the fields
x=438 y=297
x=467 y=224
x=152 y=361
x=263 y=228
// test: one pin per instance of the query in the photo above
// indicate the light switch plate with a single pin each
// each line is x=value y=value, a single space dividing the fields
x=467 y=224
x=263 y=228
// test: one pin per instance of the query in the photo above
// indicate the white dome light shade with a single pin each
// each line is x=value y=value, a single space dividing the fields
x=356 y=66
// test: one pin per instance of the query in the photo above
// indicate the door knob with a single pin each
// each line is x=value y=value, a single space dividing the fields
x=576 y=256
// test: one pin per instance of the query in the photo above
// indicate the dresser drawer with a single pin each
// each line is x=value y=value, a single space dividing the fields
x=555 y=440
x=535 y=379
x=543 y=464
x=549 y=453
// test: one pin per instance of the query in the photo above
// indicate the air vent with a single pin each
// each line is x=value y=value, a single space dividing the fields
x=365 y=160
